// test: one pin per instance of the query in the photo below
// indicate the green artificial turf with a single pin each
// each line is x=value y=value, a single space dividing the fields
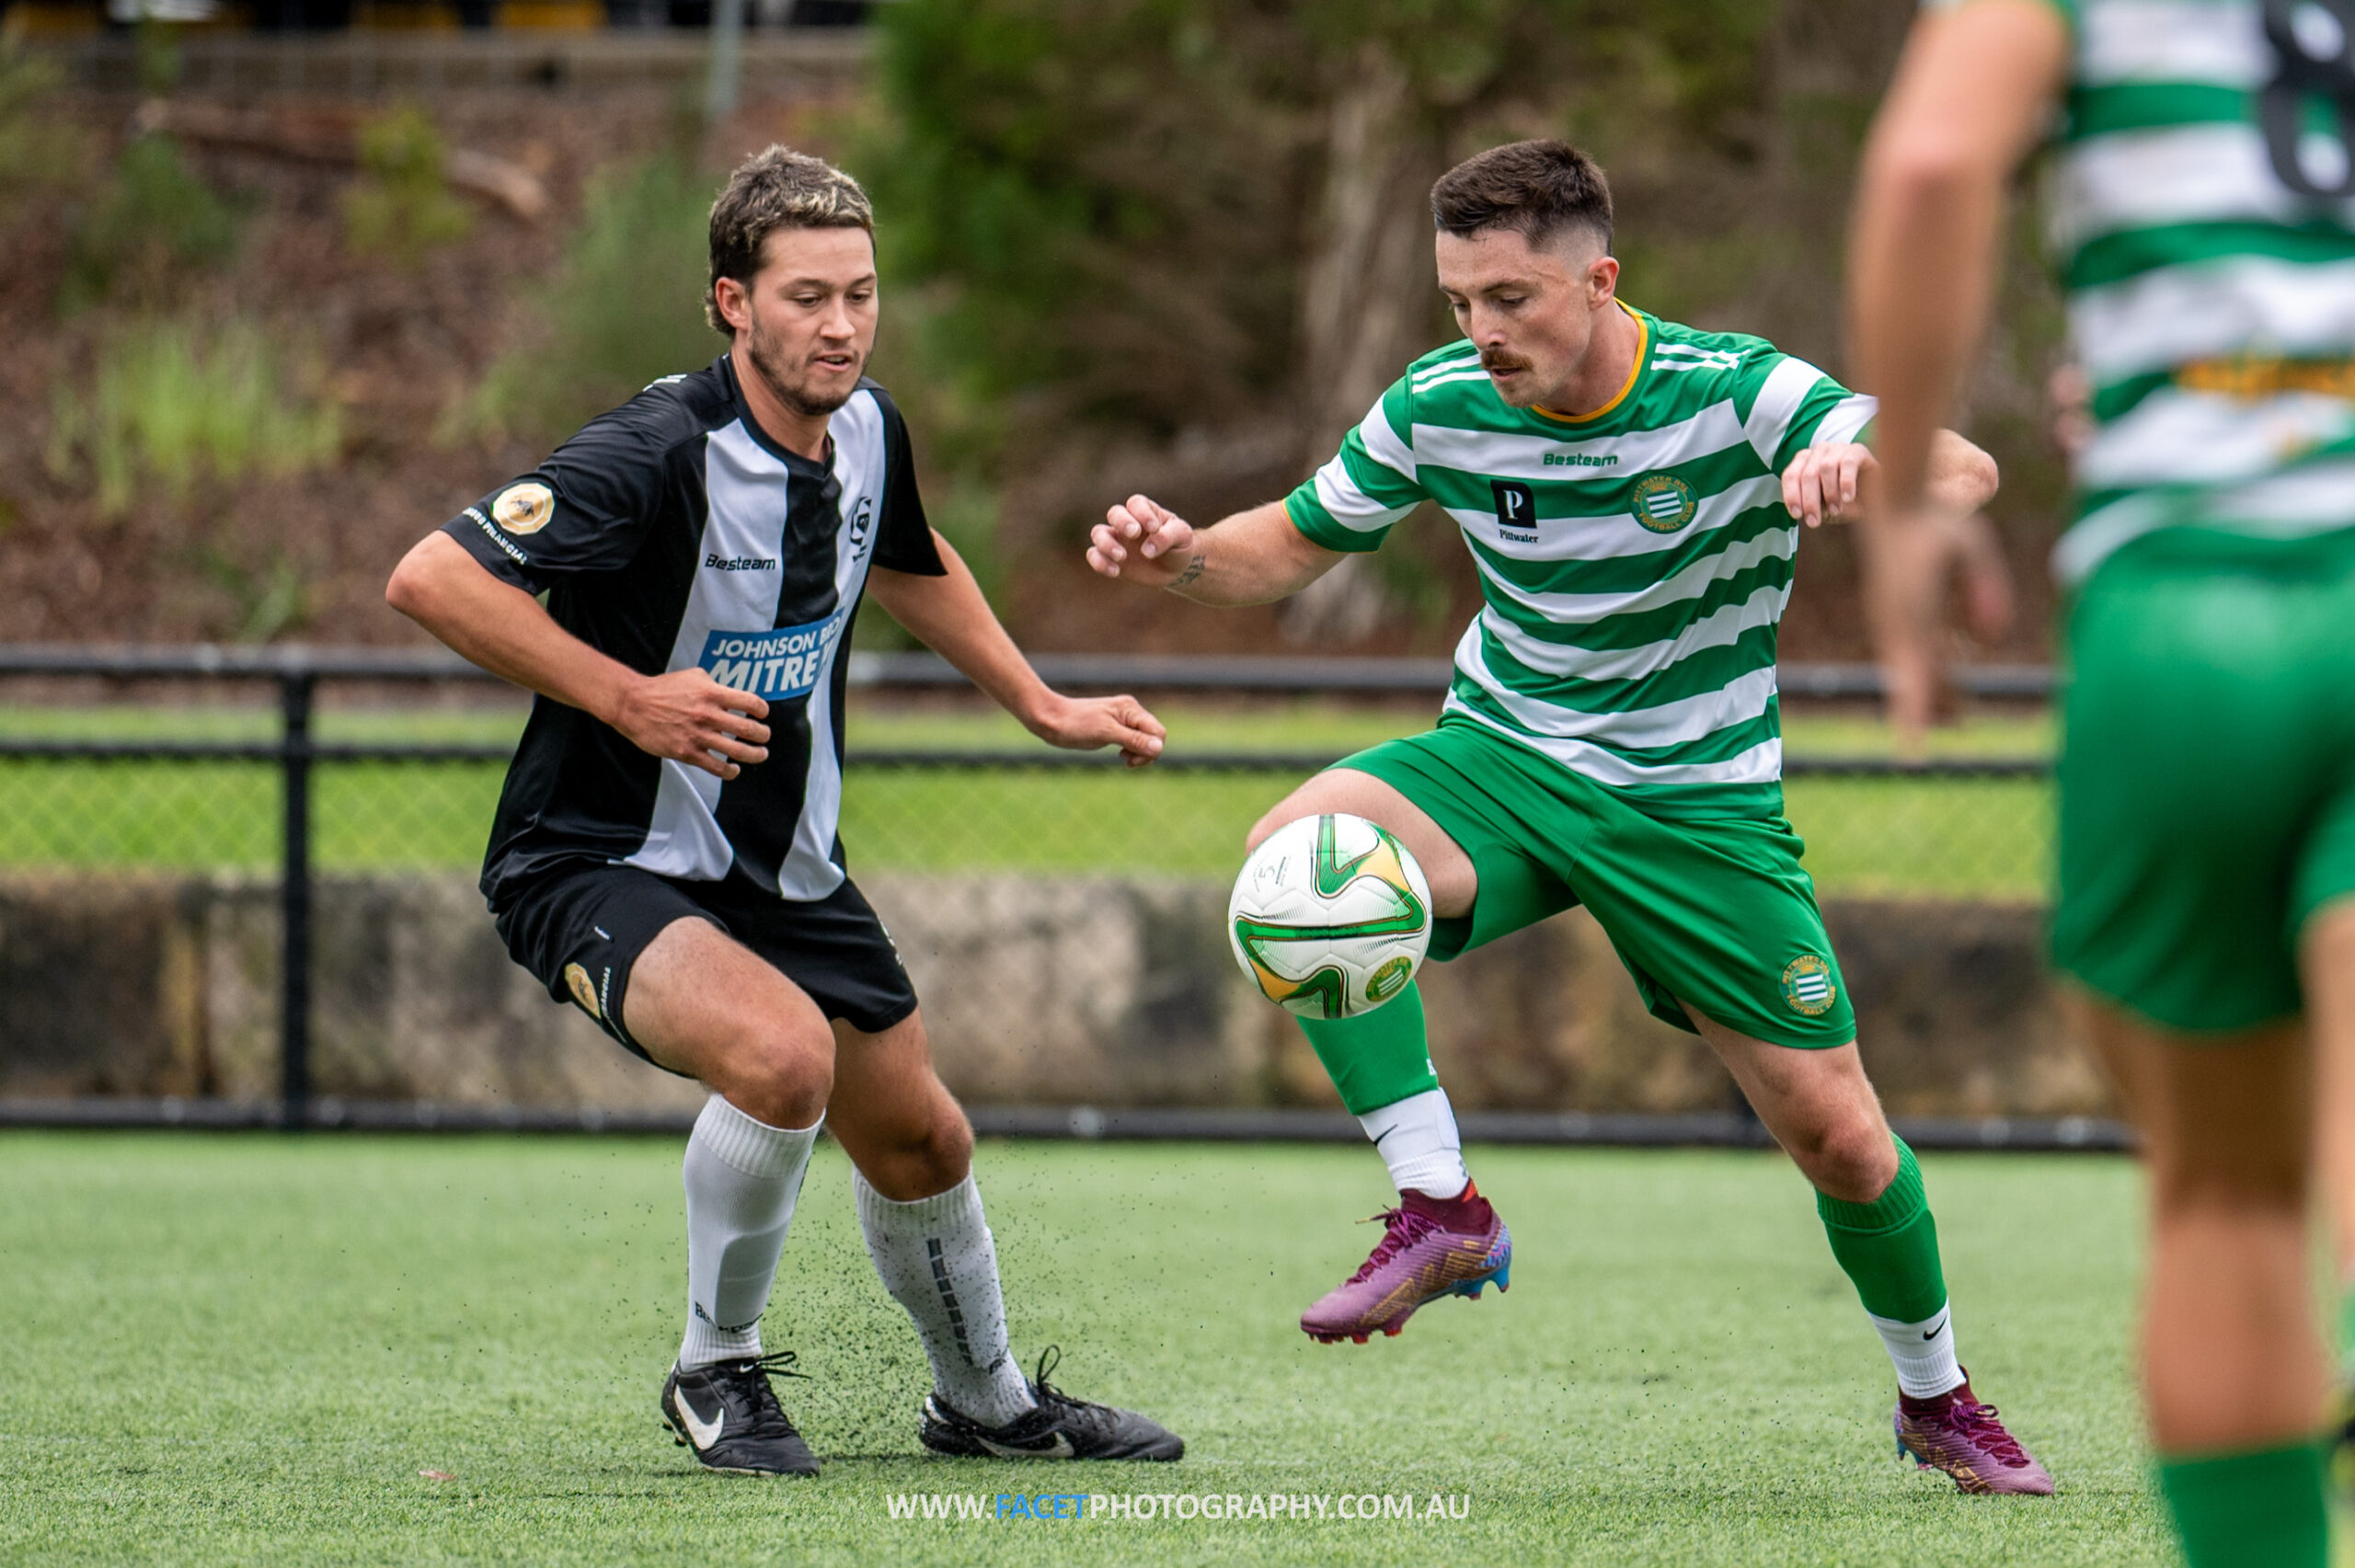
x=1918 y=837
x=246 y=1349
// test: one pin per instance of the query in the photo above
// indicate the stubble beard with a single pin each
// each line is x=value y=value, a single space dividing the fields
x=785 y=382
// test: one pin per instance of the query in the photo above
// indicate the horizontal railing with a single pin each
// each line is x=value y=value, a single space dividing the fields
x=294 y=751
x=1237 y=673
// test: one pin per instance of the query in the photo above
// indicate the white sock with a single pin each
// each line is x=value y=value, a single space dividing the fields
x=742 y=1177
x=1924 y=1352
x=938 y=1262
x=1416 y=1138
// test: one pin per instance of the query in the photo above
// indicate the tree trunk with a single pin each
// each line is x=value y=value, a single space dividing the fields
x=1366 y=297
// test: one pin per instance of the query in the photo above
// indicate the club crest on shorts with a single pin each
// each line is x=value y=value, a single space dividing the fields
x=1808 y=986
x=525 y=508
x=584 y=990
x=1664 y=503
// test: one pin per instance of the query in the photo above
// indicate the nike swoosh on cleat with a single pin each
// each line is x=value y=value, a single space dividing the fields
x=702 y=1433
x=1062 y=1451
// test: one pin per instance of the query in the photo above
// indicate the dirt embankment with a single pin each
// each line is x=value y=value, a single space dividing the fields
x=396 y=347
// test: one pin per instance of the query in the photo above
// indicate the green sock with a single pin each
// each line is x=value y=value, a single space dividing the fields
x=1379 y=1058
x=2265 y=1509
x=1889 y=1247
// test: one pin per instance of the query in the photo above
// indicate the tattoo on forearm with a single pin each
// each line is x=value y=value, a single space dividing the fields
x=1194 y=568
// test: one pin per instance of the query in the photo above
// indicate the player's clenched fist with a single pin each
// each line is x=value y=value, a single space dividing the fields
x=686 y=716
x=1822 y=483
x=1144 y=542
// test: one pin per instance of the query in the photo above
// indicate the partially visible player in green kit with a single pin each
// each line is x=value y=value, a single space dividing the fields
x=2205 y=214
x=1632 y=492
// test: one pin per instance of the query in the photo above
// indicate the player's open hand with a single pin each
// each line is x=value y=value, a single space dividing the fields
x=686 y=716
x=1142 y=541
x=1087 y=724
x=1822 y=483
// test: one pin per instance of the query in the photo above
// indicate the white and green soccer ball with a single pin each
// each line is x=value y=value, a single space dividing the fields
x=1330 y=917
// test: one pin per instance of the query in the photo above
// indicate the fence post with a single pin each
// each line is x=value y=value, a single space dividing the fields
x=296 y=689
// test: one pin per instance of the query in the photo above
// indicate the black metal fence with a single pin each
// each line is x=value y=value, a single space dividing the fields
x=107 y=767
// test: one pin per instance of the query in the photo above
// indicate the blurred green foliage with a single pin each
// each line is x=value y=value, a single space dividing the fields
x=170 y=403
x=1101 y=187
x=1113 y=196
x=625 y=307
x=402 y=206
x=35 y=150
x=153 y=223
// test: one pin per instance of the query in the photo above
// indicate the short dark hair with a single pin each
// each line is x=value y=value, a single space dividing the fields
x=1537 y=187
x=775 y=189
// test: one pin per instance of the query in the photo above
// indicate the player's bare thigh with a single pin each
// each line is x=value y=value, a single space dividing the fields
x=1817 y=1103
x=1454 y=881
x=702 y=1003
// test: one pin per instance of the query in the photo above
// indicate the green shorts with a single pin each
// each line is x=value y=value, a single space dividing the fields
x=2208 y=773
x=1715 y=912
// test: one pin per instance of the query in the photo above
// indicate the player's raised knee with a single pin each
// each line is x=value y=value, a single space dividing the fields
x=779 y=1075
x=1850 y=1158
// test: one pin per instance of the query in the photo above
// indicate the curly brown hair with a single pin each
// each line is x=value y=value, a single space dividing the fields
x=775 y=189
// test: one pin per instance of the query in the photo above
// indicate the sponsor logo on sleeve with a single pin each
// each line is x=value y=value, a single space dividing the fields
x=775 y=666
x=513 y=551
x=524 y=508
x=1808 y=986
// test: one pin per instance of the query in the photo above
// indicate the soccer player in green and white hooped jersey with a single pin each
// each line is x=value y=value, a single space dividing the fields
x=1631 y=490
x=2204 y=206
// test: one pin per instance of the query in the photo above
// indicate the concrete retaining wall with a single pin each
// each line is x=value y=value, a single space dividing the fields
x=1049 y=991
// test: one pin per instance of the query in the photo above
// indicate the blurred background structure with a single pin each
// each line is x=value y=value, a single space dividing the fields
x=286 y=284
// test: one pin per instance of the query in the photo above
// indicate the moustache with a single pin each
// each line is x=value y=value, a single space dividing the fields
x=1494 y=363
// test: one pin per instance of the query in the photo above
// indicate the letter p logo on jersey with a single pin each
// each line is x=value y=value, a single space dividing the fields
x=776 y=665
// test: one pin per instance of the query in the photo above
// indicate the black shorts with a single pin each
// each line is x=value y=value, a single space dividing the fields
x=579 y=929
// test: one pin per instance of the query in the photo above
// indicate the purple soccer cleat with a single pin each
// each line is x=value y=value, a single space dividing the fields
x=1429 y=1248
x=1954 y=1433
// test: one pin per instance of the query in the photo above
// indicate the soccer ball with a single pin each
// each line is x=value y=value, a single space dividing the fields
x=1330 y=917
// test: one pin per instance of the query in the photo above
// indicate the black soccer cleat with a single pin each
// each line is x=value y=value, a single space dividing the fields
x=1061 y=1427
x=727 y=1414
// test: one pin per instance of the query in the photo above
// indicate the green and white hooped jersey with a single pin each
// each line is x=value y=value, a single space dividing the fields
x=1636 y=560
x=2203 y=218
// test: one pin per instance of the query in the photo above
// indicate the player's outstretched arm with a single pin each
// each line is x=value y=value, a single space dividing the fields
x=1250 y=558
x=686 y=716
x=1838 y=481
x=948 y=615
x=1973 y=94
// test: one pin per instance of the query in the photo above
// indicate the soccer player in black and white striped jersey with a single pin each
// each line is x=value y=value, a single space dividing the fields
x=665 y=854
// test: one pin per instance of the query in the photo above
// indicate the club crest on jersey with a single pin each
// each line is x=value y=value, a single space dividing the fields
x=1808 y=986
x=1664 y=503
x=523 y=508
x=776 y=665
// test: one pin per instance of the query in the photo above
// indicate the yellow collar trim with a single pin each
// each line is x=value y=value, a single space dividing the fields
x=1643 y=350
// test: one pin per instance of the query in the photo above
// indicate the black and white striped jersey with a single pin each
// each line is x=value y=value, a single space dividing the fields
x=672 y=533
